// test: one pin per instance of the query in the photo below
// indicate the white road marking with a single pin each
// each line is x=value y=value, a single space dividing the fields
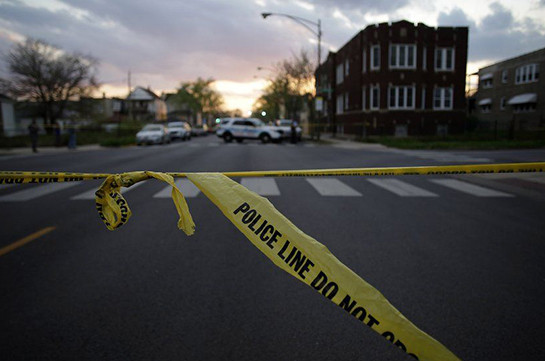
x=188 y=189
x=401 y=188
x=38 y=191
x=332 y=187
x=262 y=186
x=90 y=194
x=469 y=188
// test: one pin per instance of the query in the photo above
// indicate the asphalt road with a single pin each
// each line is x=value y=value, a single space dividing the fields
x=465 y=264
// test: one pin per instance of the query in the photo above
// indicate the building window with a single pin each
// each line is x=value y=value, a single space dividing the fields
x=502 y=103
x=346 y=68
x=485 y=108
x=444 y=59
x=442 y=98
x=340 y=103
x=504 y=75
x=374 y=96
x=340 y=74
x=527 y=74
x=375 y=57
x=345 y=101
x=402 y=56
x=401 y=97
x=364 y=61
x=363 y=91
x=423 y=105
x=486 y=81
x=424 y=59
x=524 y=108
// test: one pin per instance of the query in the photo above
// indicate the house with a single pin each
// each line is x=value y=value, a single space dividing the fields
x=396 y=79
x=511 y=94
x=7 y=116
x=144 y=104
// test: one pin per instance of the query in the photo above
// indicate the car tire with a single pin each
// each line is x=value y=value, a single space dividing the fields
x=239 y=140
x=265 y=138
x=227 y=137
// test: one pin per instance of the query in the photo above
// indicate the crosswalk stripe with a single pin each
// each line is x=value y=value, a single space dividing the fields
x=262 y=186
x=332 y=187
x=401 y=188
x=469 y=188
x=90 y=194
x=188 y=189
x=37 y=191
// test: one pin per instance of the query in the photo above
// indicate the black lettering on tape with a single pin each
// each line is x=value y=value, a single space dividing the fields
x=244 y=207
x=249 y=216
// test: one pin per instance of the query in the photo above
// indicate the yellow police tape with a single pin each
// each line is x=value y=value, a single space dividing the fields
x=280 y=240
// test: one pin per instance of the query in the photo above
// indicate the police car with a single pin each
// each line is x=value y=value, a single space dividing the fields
x=246 y=128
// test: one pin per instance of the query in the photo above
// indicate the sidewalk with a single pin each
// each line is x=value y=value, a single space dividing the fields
x=47 y=150
x=347 y=143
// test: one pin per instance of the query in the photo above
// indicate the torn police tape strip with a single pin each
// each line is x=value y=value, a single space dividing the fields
x=312 y=263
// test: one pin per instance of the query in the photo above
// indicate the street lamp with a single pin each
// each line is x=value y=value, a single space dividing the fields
x=304 y=22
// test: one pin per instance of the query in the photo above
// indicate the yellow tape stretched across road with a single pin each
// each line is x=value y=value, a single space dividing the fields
x=8 y=177
x=280 y=240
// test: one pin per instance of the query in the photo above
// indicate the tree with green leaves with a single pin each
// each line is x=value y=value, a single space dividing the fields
x=50 y=77
x=289 y=88
x=200 y=97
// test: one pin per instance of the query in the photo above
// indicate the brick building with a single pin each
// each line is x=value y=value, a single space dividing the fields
x=396 y=79
x=511 y=93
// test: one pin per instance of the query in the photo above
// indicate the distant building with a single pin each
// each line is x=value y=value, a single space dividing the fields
x=144 y=104
x=511 y=94
x=177 y=111
x=396 y=79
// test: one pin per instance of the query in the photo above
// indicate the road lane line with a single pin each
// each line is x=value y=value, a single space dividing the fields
x=37 y=191
x=90 y=194
x=262 y=186
x=401 y=188
x=25 y=240
x=332 y=187
x=188 y=189
x=469 y=188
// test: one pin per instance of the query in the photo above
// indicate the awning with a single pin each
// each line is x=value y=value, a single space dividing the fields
x=485 y=76
x=485 y=101
x=523 y=99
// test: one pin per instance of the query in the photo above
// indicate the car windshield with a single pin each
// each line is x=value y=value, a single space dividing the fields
x=151 y=127
x=176 y=125
x=258 y=123
x=284 y=123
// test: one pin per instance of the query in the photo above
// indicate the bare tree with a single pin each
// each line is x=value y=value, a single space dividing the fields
x=42 y=73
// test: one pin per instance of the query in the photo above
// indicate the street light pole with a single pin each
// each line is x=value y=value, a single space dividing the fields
x=304 y=22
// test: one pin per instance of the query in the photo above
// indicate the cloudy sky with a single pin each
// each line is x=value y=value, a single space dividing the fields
x=165 y=42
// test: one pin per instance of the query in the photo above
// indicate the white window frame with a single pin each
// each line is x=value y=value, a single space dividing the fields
x=401 y=91
x=395 y=49
x=443 y=63
x=442 y=98
x=372 y=60
x=364 y=61
x=504 y=76
x=340 y=104
x=528 y=73
x=372 y=89
x=363 y=96
x=339 y=72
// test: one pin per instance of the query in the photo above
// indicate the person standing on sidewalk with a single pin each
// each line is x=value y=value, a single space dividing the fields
x=72 y=135
x=33 y=133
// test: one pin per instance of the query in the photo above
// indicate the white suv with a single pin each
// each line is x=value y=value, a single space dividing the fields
x=246 y=128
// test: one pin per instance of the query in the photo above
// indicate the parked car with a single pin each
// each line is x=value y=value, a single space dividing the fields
x=153 y=134
x=200 y=130
x=247 y=128
x=284 y=127
x=179 y=130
